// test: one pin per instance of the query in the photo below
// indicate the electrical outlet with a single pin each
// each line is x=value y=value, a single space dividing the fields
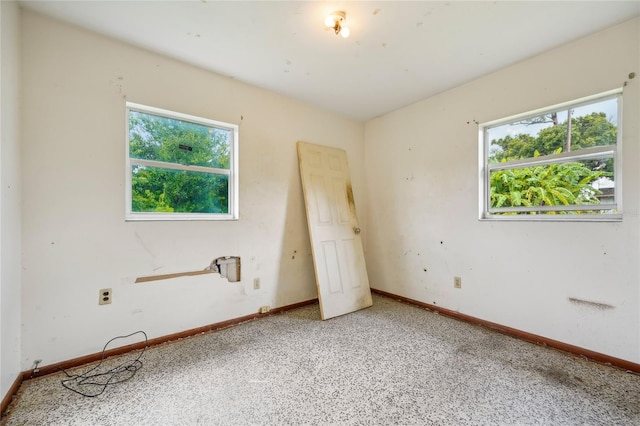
x=457 y=282
x=105 y=296
x=265 y=309
x=256 y=283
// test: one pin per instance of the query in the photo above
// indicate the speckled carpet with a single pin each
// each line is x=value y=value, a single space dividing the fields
x=391 y=364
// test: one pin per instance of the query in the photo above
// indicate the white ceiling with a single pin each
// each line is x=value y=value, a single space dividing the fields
x=399 y=52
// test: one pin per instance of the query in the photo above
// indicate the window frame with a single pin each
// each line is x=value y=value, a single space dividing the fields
x=486 y=212
x=232 y=172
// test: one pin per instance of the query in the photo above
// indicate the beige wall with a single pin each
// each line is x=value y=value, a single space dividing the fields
x=10 y=196
x=422 y=182
x=76 y=241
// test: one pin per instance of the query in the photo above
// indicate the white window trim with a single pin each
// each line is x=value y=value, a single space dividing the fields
x=233 y=172
x=486 y=212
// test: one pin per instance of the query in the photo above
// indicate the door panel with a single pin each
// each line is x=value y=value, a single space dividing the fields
x=322 y=205
x=332 y=266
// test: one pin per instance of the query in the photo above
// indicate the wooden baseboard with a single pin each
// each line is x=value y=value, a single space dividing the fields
x=523 y=335
x=10 y=394
x=87 y=359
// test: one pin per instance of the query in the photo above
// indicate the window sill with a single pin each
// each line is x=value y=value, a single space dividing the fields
x=552 y=218
x=155 y=217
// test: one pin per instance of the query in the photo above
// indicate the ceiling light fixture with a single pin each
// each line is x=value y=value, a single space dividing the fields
x=336 y=21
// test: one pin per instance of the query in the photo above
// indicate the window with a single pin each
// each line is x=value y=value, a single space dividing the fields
x=180 y=167
x=556 y=163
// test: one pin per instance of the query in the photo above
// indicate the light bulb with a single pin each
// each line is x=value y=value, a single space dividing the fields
x=344 y=32
x=329 y=21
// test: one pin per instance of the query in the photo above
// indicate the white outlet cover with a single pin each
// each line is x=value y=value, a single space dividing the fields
x=104 y=296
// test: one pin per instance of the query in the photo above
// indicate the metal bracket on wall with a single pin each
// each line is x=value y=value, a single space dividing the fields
x=227 y=266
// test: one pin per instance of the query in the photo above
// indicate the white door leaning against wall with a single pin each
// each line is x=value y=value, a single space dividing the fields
x=338 y=257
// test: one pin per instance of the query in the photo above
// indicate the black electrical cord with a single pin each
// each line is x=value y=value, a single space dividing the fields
x=91 y=383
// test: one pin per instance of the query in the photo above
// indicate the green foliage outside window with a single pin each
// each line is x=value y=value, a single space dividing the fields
x=558 y=184
x=171 y=141
x=548 y=185
x=586 y=132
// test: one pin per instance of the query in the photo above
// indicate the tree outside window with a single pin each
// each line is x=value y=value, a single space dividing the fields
x=561 y=161
x=180 y=167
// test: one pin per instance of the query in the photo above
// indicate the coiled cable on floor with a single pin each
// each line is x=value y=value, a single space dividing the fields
x=92 y=382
